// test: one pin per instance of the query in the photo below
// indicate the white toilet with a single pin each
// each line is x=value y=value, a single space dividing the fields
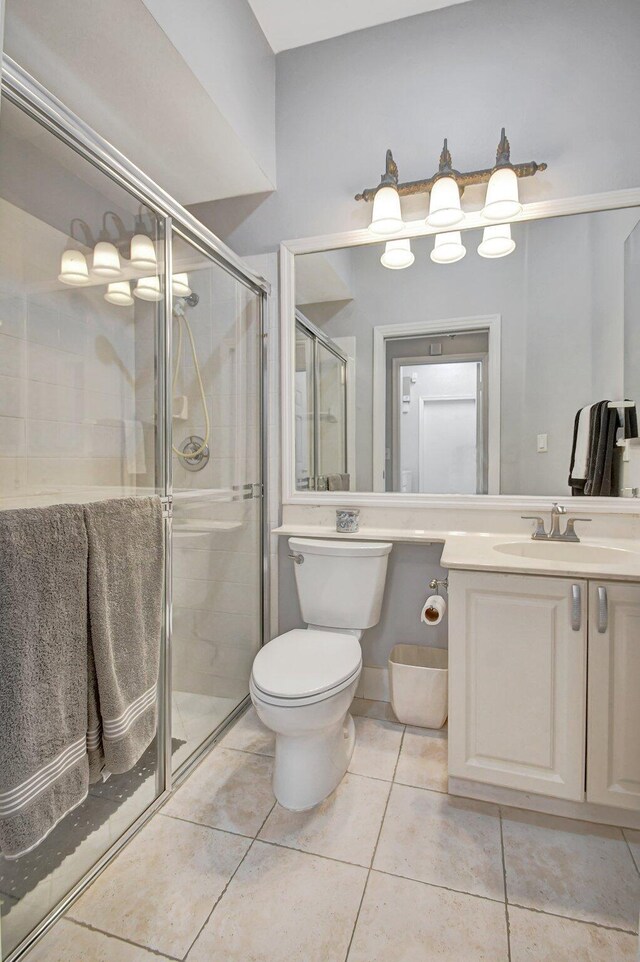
x=303 y=682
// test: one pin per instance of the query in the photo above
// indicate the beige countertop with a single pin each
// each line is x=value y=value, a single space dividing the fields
x=611 y=558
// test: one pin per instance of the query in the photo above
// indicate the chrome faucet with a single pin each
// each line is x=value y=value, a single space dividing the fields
x=554 y=533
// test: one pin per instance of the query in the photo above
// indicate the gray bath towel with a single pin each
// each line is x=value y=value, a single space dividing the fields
x=125 y=582
x=43 y=672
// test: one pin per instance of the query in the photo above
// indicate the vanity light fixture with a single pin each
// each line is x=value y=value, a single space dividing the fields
x=143 y=253
x=448 y=248
x=148 y=289
x=502 y=201
x=397 y=254
x=119 y=293
x=73 y=269
x=446 y=187
x=386 y=217
x=180 y=285
x=444 y=200
x=106 y=260
x=496 y=241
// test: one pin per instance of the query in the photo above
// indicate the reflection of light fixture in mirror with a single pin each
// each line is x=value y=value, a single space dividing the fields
x=119 y=293
x=397 y=254
x=496 y=241
x=502 y=201
x=148 y=289
x=448 y=248
x=386 y=217
x=180 y=285
x=143 y=253
x=106 y=260
x=73 y=269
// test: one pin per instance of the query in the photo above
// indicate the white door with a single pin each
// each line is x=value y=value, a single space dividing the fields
x=517 y=681
x=613 y=755
x=448 y=445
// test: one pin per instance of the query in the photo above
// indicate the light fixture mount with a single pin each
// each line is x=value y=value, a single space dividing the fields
x=463 y=179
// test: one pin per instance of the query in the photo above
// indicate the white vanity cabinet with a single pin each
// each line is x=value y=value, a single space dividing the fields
x=518 y=681
x=524 y=711
x=613 y=738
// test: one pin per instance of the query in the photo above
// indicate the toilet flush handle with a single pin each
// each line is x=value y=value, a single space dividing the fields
x=298 y=558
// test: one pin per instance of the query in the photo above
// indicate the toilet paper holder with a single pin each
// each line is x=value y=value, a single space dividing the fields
x=436 y=584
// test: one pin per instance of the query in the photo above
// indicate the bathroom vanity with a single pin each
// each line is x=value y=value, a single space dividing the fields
x=544 y=659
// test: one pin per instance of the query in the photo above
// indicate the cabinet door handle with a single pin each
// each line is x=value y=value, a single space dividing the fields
x=603 y=610
x=576 y=607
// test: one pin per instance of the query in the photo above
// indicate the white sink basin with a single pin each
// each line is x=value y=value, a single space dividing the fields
x=565 y=551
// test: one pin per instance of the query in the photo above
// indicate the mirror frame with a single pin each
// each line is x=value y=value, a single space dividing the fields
x=563 y=207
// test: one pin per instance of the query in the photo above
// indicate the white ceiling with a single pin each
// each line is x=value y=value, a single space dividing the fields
x=293 y=23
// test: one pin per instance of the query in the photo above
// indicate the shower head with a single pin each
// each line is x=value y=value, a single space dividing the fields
x=192 y=299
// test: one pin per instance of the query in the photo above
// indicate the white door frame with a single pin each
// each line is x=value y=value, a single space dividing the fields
x=487 y=322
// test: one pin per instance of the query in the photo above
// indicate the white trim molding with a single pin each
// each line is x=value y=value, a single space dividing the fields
x=561 y=207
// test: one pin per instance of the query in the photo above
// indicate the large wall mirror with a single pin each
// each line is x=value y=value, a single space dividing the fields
x=468 y=377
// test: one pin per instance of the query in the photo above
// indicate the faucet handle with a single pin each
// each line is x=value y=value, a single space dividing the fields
x=540 y=533
x=558 y=508
x=570 y=533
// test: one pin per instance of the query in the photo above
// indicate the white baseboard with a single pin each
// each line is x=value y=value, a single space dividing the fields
x=373 y=684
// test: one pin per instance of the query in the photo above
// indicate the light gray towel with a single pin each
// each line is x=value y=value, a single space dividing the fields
x=43 y=672
x=125 y=584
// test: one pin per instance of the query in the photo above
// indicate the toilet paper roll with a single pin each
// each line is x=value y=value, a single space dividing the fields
x=433 y=610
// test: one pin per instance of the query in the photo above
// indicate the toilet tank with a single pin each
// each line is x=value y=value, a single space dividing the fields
x=340 y=583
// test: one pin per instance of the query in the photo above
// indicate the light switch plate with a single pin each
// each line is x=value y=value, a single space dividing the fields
x=543 y=444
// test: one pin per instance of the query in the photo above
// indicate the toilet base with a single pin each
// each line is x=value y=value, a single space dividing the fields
x=309 y=767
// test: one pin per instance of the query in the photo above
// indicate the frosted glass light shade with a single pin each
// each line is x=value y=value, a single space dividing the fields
x=502 y=201
x=397 y=254
x=180 y=285
x=119 y=293
x=496 y=241
x=106 y=260
x=143 y=253
x=444 y=203
x=386 y=217
x=148 y=289
x=448 y=248
x=73 y=269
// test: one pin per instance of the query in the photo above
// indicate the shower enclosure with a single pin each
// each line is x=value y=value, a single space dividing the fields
x=131 y=364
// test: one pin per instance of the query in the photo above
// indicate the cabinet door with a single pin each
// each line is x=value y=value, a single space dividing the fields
x=613 y=755
x=517 y=681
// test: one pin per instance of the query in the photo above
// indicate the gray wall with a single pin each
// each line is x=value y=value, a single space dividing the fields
x=223 y=44
x=632 y=315
x=563 y=78
x=411 y=568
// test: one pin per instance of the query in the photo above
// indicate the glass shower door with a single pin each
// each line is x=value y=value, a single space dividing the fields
x=217 y=494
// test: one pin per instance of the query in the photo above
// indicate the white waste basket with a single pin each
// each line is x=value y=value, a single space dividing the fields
x=419 y=678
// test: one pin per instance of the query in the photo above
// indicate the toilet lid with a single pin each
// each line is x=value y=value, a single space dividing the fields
x=306 y=662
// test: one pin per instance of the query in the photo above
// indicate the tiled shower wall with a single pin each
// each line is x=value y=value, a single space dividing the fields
x=66 y=390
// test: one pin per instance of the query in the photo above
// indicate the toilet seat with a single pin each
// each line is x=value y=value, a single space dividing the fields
x=305 y=666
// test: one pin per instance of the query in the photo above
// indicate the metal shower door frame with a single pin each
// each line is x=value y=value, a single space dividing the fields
x=26 y=93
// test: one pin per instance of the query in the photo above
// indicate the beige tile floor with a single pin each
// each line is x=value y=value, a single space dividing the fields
x=388 y=868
